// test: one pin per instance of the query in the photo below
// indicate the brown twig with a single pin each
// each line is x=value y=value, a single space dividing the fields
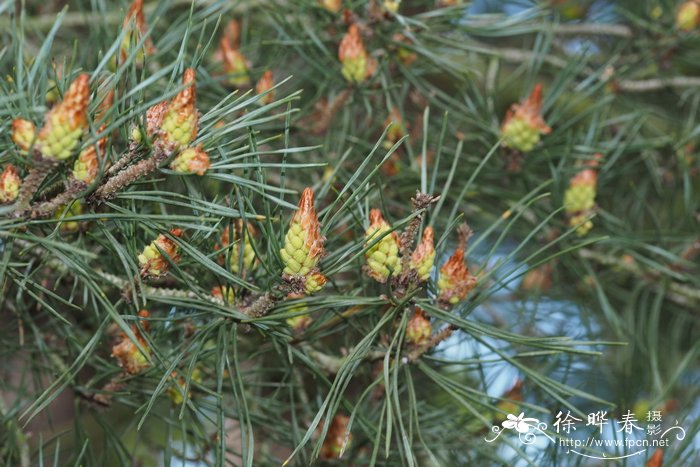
x=128 y=176
x=47 y=208
x=41 y=168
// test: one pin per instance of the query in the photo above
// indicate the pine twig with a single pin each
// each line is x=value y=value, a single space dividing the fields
x=41 y=168
x=679 y=293
x=128 y=176
x=48 y=208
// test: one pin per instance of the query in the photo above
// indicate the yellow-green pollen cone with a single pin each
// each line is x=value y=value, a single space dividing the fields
x=523 y=124
x=519 y=134
x=357 y=65
x=235 y=249
x=455 y=281
x=314 y=283
x=418 y=328
x=579 y=198
x=179 y=125
x=423 y=257
x=383 y=258
x=65 y=122
x=303 y=244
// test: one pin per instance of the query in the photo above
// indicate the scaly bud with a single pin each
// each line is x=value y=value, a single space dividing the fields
x=303 y=244
x=582 y=222
x=154 y=118
x=179 y=125
x=538 y=279
x=300 y=322
x=9 y=185
x=656 y=459
x=524 y=124
x=358 y=66
x=235 y=63
x=265 y=84
x=688 y=16
x=423 y=257
x=382 y=257
x=65 y=122
x=392 y=6
x=64 y=213
x=407 y=56
x=223 y=293
x=418 y=329
x=135 y=26
x=579 y=198
x=23 y=133
x=176 y=393
x=87 y=164
x=248 y=250
x=314 y=282
x=191 y=160
x=398 y=127
x=455 y=281
x=127 y=353
x=336 y=438
x=333 y=6
x=152 y=261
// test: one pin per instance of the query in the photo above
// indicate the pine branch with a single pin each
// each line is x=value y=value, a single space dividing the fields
x=679 y=293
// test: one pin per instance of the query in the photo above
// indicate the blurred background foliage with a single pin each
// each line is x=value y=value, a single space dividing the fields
x=558 y=321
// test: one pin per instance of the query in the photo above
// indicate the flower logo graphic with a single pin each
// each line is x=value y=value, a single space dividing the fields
x=525 y=426
x=519 y=423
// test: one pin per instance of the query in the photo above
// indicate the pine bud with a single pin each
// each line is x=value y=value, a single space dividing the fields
x=538 y=279
x=418 y=329
x=392 y=6
x=336 y=438
x=127 y=353
x=314 y=282
x=583 y=224
x=9 y=185
x=248 y=250
x=579 y=198
x=455 y=281
x=524 y=124
x=688 y=16
x=357 y=65
x=65 y=212
x=152 y=261
x=656 y=459
x=300 y=322
x=333 y=6
x=65 y=122
x=398 y=127
x=223 y=293
x=191 y=160
x=423 y=257
x=87 y=164
x=179 y=125
x=404 y=54
x=154 y=118
x=235 y=63
x=303 y=245
x=382 y=257
x=135 y=26
x=23 y=133
x=52 y=95
x=176 y=393
x=266 y=83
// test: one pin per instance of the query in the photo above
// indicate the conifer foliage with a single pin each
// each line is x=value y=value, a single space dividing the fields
x=290 y=232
